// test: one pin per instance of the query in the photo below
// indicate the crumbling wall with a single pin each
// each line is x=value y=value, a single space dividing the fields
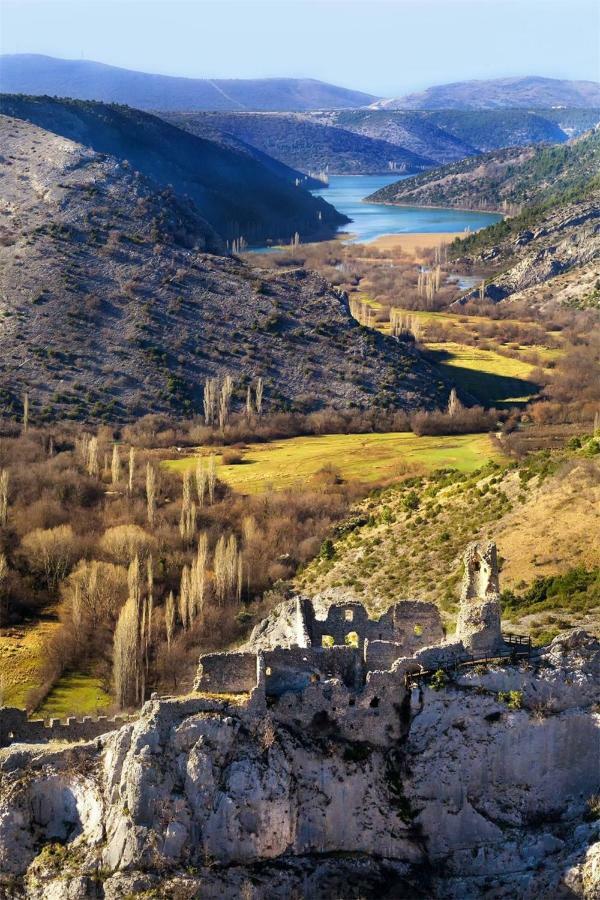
x=295 y=668
x=15 y=726
x=409 y=623
x=478 y=625
x=227 y=673
x=381 y=655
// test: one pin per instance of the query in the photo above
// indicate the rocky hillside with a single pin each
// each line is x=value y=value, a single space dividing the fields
x=485 y=782
x=538 y=247
x=305 y=144
x=236 y=193
x=510 y=178
x=30 y=73
x=111 y=305
x=368 y=141
x=528 y=92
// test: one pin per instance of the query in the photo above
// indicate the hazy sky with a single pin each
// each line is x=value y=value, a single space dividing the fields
x=385 y=47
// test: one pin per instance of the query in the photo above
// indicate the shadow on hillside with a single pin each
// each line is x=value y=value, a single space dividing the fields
x=488 y=389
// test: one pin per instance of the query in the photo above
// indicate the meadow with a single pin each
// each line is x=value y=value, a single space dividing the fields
x=366 y=458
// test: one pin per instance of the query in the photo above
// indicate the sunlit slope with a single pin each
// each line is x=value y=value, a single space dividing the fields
x=358 y=457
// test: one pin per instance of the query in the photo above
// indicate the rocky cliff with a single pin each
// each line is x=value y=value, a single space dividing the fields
x=484 y=787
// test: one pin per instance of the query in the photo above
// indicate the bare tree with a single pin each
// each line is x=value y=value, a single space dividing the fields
x=150 y=493
x=115 y=466
x=25 y=411
x=126 y=655
x=210 y=400
x=184 y=597
x=249 y=407
x=4 y=482
x=170 y=618
x=201 y=481
x=454 y=404
x=51 y=552
x=225 y=401
x=92 y=457
x=259 y=396
x=131 y=469
x=212 y=478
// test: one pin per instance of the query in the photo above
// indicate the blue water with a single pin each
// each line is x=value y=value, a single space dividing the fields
x=371 y=220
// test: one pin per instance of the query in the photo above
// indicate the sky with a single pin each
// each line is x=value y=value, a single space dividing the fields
x=384 y=47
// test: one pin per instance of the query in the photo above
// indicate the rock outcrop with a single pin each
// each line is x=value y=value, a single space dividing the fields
x=482 y=787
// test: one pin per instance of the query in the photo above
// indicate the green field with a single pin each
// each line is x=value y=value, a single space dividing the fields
x=492 y=378
x=366 y=458
x=72 y=695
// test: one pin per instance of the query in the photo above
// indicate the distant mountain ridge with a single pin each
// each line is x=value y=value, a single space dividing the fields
x=529 y=92
x=86 y=80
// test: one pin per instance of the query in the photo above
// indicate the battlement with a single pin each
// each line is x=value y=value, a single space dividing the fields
x=16 y=726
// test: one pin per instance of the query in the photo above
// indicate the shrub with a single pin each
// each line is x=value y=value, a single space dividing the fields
x=513 y=699
x=439 y=680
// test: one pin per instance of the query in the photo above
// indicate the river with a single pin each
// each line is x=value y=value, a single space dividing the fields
x=371 y=220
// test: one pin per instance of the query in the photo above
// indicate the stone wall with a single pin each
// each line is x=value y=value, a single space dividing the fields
x=295 y=668
x=411 y=624
x=15 y=726
x=227 y=673
x=381 y=655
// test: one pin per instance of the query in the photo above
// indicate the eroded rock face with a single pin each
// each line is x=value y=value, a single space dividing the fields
x=460 y=790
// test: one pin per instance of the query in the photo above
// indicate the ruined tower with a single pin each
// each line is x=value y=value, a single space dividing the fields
x=478 y=625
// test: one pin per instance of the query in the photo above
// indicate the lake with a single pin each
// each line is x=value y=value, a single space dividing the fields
x=371 y=220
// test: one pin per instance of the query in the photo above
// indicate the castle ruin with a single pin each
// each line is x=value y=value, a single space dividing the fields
x=304 y=642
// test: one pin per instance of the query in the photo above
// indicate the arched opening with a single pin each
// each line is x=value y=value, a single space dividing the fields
x=351 y=639
x=374 y=703
x=327 y=641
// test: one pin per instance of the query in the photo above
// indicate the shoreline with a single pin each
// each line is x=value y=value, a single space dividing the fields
x=469 y=209
x=411 y=240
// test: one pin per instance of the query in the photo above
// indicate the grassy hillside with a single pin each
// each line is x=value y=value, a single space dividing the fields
x=364 y=458
x=407 y=540
x=233 y=191
x=29 y=73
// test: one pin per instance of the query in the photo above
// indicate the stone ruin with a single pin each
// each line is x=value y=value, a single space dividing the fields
x=322 y=656
x=305 y=642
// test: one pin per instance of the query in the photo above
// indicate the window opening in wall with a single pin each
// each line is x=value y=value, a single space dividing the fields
x=418 y=629
x=374 y=703
x=268 y=670
x=349 y=615
x=351 y=639
x=327 y=641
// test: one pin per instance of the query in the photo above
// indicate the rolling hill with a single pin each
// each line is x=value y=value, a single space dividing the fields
x=304 y=144
x=86 y=80
x=372 y=141
x=449 y=135
x=116 y=302
x=512 y=177
x=233 y=191
x=529 y=92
